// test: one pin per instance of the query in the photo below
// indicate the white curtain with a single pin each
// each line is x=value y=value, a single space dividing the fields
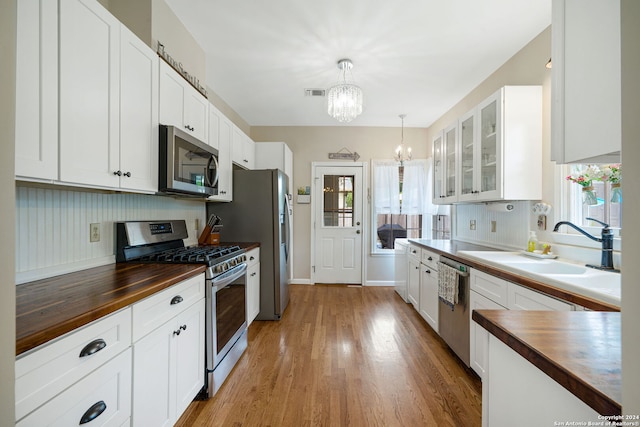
x=417 y=188
x=386 y=184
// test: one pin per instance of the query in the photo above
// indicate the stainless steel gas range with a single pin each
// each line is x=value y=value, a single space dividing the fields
x=226 y=283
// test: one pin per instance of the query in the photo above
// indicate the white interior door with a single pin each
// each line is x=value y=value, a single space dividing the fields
x=338 y=216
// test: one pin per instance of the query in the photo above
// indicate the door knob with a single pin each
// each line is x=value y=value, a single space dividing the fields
x=357 y=231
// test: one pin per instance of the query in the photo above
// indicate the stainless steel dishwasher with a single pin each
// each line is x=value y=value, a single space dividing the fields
x=453 y=322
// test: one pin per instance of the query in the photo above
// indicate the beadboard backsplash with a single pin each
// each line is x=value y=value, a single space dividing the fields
x=512 y=228
x=52 y=226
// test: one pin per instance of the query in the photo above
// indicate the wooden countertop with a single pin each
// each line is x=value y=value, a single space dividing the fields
x=450 y=248
x=49 y=308
x=580 y=350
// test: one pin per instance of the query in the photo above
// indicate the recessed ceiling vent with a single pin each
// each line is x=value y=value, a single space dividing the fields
x=314 y=92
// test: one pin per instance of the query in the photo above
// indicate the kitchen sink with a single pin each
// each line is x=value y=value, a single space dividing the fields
x=602 y=285
x=548 y=267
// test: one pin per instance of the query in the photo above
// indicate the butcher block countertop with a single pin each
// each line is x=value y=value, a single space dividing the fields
x=450 y=248
x=49 y=308
x=580 y=350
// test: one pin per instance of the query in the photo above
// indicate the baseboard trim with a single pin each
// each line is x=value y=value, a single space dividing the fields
x=380 y=283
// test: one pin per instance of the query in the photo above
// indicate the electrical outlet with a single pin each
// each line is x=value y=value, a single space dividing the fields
x=472 y=224
x=94 y=232
x=542 y=222
x=493 y=226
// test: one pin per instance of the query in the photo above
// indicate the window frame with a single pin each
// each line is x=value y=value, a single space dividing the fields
x=569 y=194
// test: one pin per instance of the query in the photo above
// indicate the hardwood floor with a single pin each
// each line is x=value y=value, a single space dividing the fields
x=341 y=356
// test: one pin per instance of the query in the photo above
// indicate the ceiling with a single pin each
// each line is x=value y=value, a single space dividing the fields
x=413 y=57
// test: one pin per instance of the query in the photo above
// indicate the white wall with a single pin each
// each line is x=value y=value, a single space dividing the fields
x=52 y=226
x=7 y=211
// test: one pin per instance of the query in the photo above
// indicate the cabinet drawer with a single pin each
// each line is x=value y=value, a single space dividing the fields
x=51 y=368
x=429 y=258
x=414 y=251
x=490 y=287
x=521 y=298
x=253 y=257
x=155 y=310
x=108 y=388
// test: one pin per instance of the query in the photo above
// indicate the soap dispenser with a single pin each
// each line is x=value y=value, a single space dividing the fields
x=532 y=244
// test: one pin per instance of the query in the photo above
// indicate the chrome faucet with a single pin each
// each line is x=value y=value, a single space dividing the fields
x=606 y=263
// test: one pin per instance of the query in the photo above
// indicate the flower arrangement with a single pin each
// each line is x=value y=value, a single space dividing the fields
x=606 y=173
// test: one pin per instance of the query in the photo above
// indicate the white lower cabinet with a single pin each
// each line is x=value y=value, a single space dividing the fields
x=492 y=293
x=516 y=392
x=85 y=374
x=429 y=295
x=479 y=336
x=168 y=363
x=253 y=284
x=413 y=281
x=102 y=397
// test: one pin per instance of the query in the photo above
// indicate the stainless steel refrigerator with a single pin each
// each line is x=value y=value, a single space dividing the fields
x=260 y=213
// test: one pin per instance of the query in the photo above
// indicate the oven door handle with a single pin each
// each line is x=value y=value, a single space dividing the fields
x=228 y=277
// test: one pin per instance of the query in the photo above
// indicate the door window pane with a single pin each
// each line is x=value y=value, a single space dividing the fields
x=338 y=200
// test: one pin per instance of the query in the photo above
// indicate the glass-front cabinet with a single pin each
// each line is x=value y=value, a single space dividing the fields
x=438 y=168
x=450 y=164
x=468 y=156
x=494 y=152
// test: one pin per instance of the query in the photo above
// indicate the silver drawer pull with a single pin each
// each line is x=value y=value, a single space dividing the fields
x=93 y=347
x=93 y=412
x=176 y=300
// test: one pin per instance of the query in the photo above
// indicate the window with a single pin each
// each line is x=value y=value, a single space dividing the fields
x=401 y=202
x=338 y=200
x=594 y=192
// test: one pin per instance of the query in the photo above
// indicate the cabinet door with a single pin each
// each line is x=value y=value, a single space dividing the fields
x=468 y=153
x=249 y=152
x=138 y=114
x=153 y=402
x=89 y=94
x=438 y=169
x=586 y=105
x=196 y=112
x=429 y=295
x=413 y=289
x=172 y=97
x=479 y=336
x=490 y=154
x=450 y=163
x=253 y=292
x=214 y=127
x=36 y=133
x=189 y=355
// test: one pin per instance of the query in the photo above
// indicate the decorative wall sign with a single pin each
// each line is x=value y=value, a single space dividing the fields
x=193 y=80
x=344 y=154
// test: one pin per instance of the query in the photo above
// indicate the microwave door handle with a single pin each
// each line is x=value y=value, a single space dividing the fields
x=214 y=181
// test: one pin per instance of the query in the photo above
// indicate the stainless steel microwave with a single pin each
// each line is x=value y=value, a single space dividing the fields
x=187 y=166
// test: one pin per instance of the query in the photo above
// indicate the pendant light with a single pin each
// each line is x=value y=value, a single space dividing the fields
x=402 y=152
x=344 y=100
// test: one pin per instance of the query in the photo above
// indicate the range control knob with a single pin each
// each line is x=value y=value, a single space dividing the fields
x=233 y=261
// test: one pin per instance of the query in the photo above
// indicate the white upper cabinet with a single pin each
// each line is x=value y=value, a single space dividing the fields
x=586 y=81
x=220 y=129
x=494 y=151
x=138 y=114
x=89 y=95
x=108 y=113
x=37 y=90
x=243 y=149
x=438 y=168
x=275 y=155
x=181 y=105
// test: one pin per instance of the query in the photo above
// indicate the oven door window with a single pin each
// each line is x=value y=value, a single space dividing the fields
x=194 y=165
x=230 y=311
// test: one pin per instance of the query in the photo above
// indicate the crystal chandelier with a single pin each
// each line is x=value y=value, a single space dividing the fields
x=344 y=101
x=402 y=153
